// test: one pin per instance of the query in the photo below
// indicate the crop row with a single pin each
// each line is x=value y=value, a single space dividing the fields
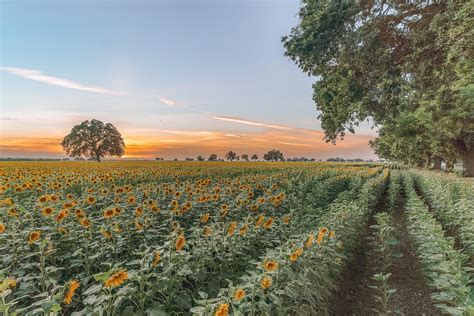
x=89 y=245
x=452 y=203
x=444 y=266
x=297 y=276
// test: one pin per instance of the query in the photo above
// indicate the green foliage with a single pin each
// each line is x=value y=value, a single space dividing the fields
x=407 y=66
x=383 y=243
x=444 y=266
x=94 y=139
x=452 y=203
x=273 y=155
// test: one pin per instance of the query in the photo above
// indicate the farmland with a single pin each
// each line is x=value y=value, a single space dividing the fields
x=156 y=238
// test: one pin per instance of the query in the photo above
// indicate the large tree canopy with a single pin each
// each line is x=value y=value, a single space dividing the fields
x=404 y=64
x=94 y=139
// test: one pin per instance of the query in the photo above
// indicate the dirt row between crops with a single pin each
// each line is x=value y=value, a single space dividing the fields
x=412 y=296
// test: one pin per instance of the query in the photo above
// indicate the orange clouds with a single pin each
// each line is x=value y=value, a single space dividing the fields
x=150 y=143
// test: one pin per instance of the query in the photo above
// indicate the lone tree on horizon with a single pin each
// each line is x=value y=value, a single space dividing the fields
x=94 y=139
x=273 y=155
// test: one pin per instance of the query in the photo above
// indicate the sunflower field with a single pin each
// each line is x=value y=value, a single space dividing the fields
x=143 y=238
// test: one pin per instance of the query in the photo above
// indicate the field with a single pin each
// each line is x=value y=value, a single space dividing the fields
x=158 y=238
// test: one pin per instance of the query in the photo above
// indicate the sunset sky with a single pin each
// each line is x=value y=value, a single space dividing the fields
x=177 y=78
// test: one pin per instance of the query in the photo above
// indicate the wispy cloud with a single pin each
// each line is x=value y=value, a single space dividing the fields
x=235 y=119
x=169 y=102
x=37 y=75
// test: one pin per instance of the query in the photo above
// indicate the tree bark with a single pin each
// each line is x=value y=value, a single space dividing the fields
x=437 y=163
x=98 y=157
x=467 y=156
x=468 y=163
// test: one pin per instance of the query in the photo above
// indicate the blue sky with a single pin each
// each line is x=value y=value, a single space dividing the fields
x=151 y=67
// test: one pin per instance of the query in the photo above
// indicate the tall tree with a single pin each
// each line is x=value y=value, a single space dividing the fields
x=94 y=139
x=245 y=157
x=388 y=60
x=254 y=157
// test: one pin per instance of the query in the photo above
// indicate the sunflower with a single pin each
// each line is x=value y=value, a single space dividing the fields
x=156 y=259
x=47 y=211
x=239 y=294
x=231 y=230
x=259 y=221
x=138 y=212
x=223 y=310
x=62 y=215
x=180 y=242
x=270 y=265
x=109 y=213
x=85 y=223
x=106 y=233
x=131 y=199
x=73 y=286
x=117 y=210
x=268 y=223
x=266 y=282
x=286 y=219
x=138 y=225
x=2 y=228
x=243 y=230
x=62 y=230
x=80 y=214
x=296 y=254
x=207 y=231
x=116 y=279
x=310 y=240
x=205 y=218
x=90 y=200
x=320 y=237
x=34 y=236
x=13 y=212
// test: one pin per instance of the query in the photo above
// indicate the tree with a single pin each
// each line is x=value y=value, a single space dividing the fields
x=94 y=139
x=245 y=157
x=389 y=61
x=254 y=157
x=200 y=158
x=230 y=155
x=273 y=155
x=212 y=157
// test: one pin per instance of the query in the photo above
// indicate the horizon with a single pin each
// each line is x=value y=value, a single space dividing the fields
x=193 y=78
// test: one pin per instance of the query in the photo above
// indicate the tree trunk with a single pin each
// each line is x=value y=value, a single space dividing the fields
x=437 y=163
x=419 y=163
x=467 y=156
x=98 y=158
x=468 y=163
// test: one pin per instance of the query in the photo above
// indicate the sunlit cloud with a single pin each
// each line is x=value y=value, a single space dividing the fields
x=169 y=102
x=238 y=120
x=37 y=75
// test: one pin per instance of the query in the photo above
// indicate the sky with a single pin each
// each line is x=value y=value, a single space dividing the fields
x=177 y=78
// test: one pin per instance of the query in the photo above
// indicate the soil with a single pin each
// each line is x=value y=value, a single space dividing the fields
x=412 y=296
